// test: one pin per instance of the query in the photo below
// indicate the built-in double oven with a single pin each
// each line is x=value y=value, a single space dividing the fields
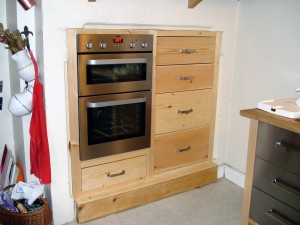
x=114 y=93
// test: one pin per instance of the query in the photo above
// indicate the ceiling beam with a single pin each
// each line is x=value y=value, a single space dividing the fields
x=193 y=3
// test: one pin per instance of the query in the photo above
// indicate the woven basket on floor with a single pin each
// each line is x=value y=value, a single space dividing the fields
x=41 y=216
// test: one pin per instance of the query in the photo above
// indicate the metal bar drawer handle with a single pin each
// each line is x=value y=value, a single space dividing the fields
x=178 y=150
x=279 y=217
x=116 y=174
x=190 y=78
x=187 y=51
x=286 y=187
x=287 y=146
x=185 y=111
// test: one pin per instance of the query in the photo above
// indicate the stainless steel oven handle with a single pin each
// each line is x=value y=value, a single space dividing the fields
x=114 y=103
x=95 y=62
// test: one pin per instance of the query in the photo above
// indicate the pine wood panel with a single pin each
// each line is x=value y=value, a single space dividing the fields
x=128 y=199
x=113 y=173
x=184 y=77
x=169 y=50
x=249 y=171
x=168 y=105
x=194 y=3
x=193 y=143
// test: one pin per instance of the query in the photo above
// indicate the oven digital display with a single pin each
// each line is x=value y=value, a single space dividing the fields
x=118 y=40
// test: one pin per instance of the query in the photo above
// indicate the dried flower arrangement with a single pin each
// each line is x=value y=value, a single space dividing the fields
x=14 y=40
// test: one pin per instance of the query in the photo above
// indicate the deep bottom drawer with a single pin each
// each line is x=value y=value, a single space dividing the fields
x=180 y=148
x=266 y=210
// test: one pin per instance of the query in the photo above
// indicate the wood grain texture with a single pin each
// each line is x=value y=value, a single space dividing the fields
x=168 y=105
x=184 y=77
x=193 y=3
x=133 y=198
x=249 y=171
x=169 y=50
x=275 y=120
x=193 y=143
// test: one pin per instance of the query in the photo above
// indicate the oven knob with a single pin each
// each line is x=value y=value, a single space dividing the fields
x=144 y=44
x=89 y=45
x=103 y=45
x=132 y=45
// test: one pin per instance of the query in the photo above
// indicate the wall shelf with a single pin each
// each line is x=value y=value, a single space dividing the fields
x=191 y=4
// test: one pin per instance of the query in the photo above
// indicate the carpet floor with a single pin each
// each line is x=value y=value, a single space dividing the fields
x=219 y=203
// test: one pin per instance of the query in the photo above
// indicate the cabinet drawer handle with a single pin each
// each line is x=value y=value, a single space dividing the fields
x=286 y=187
x=189 y=78
x=287 y=146
x=116 y=174
x=178 y=150
x=279 y=217
x=185 y=111
x=187 y=51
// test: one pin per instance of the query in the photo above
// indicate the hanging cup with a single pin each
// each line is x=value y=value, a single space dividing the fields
x=25 y=68
x=20 y=104
x=27 y=4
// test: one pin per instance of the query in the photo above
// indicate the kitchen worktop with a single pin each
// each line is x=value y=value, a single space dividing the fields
x=279 y=121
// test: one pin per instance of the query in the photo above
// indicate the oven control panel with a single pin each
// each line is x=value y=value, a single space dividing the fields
x=97 y=43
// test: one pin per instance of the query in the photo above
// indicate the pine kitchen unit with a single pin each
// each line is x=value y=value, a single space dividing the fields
x=271 y=194
x=184 y=96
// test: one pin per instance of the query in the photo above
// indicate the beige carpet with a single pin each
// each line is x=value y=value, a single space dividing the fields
x=215 y=204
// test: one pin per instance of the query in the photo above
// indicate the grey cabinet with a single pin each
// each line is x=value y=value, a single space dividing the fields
x=275 y=197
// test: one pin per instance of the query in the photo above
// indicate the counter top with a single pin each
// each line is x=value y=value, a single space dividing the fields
x=279 y=121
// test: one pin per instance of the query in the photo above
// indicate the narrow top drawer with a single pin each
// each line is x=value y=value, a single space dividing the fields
x=185 y=50
x=279 y=146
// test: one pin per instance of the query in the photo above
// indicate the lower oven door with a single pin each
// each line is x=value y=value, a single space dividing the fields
x=113 y=124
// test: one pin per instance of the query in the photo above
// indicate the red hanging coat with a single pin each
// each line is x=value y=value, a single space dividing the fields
x=39 y=148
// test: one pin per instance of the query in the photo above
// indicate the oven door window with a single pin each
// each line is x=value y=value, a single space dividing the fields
x=116 y=120
x=116 y=70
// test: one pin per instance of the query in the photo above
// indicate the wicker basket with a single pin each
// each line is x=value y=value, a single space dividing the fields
x=41 y=216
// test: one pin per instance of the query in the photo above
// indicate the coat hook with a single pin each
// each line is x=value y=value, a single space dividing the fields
x=26 y=33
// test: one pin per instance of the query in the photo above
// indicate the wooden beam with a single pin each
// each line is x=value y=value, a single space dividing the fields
x=193 y=3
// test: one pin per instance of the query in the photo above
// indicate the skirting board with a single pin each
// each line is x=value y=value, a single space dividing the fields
x=231 y=174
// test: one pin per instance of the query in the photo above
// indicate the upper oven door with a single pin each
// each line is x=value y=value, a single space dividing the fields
x=114 y=73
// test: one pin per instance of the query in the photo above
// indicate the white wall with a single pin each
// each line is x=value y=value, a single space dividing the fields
x=266 y=64
x=58 y=15
x=6 y=133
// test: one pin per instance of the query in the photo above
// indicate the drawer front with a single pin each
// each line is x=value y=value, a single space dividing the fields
x=179 y=148
x=266 y=210
x=182 y=110
x=277 y=182
x=113 y=173
x=180 y=78
x=185 y=50
x=279 y=146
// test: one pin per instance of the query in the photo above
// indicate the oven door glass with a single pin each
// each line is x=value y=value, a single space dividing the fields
x=114 y=73
x=115 y=120
x=116 y=70
x=113 y=124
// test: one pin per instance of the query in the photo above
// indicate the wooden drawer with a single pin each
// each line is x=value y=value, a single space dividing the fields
x=113 y=173
x=182 y=110
x=266 y=210
x=179 y=148
x=185 y=50
x=277 y=182
x=187 y=77
x=279 y=146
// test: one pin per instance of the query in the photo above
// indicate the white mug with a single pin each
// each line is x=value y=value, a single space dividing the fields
x=20 y=104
